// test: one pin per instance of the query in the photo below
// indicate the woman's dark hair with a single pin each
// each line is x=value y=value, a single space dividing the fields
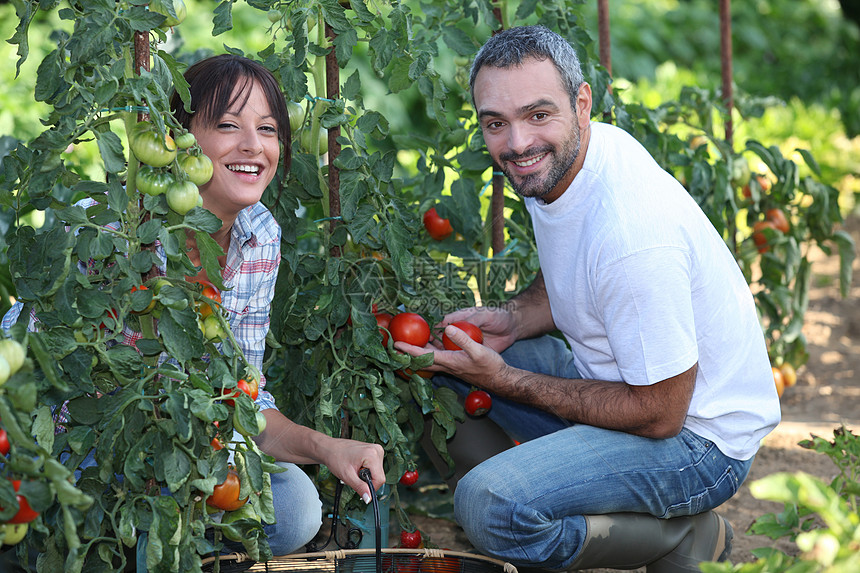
x=212 y=82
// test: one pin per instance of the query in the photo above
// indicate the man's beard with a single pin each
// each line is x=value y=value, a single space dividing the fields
x=561 y=162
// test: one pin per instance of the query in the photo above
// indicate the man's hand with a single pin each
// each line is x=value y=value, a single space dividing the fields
x=497 y=325
x=478 y=364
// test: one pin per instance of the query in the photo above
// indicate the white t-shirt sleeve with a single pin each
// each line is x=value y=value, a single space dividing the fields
x=646 y=302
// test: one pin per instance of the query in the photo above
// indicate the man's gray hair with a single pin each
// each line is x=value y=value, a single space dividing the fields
x=512 y=46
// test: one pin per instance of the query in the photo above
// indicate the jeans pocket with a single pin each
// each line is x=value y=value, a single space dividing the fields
x=711 y=479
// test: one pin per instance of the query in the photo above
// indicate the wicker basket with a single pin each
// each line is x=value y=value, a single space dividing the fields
x=368 y=561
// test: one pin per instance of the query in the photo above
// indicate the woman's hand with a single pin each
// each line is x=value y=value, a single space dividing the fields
x=346 y=457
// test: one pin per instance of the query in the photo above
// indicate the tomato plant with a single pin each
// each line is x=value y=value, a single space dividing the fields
x=226 y=494
x=409 y=327
x=437 y=227
x=473 y=331
x=478 y=403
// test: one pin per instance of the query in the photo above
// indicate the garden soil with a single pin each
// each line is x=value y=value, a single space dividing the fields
x=826 y=395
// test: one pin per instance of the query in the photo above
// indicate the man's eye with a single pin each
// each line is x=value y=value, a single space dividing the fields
x=541 y=115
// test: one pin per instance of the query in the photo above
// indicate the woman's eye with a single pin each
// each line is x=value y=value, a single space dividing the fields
x=269 y=129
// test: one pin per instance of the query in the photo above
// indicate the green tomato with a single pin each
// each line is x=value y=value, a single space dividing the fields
x=13 y=533
x=740 y=171
x=161 y=7
x=185 y=140
x=297 y=115
x=245 y=512
x=198 y=167
x=14 y=353
x=182 y=196
x=306 y=141
x=212 y=329
x=153 y=181
x=149 y=147
x=261 y=424
x=5 y=370
x=273 y=15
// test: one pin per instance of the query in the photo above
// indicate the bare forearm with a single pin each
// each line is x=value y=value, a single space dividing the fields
x=656 y=411
x=287 y=441
x=531 y=310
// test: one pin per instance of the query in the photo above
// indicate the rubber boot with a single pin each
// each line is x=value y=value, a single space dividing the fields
x=476 y=439
x=631 y=540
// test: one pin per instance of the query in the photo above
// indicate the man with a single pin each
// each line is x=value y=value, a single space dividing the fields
x=652 y=416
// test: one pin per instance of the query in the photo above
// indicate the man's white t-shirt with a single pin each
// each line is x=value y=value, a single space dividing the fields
x=643 y=287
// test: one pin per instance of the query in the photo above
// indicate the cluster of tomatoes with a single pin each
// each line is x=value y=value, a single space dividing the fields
x=174 y=168
x=784 y=376
x=776 y=221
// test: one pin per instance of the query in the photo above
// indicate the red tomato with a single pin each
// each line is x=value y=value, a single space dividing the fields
x=473 y=331
x=409 y=477
x=478 y=403
x=779 y=220
x=383 y=319
x=437 y=227
x=759 y=237
x=209 y=291
x=4 y=442
x=226 y=495
x=25 y=512
x=249 y=388
x=410 y=539
x=411 y=328
x=241 y=386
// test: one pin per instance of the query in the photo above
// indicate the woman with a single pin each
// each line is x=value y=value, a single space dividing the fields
x=240 y=120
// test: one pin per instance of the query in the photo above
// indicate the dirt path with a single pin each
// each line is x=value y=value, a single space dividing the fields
x=827 y=393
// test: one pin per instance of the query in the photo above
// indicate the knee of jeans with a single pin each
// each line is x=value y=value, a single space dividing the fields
x=298 y=511
x=480 y=510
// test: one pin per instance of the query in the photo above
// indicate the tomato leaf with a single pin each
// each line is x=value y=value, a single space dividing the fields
x=177 y=467
x=111 y=150
x=180 y=334
x=210 y=250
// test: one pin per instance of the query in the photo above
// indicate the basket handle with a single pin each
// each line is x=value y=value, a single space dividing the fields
x=364 y=474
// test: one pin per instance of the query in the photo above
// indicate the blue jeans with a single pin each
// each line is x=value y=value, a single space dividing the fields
x=298 y=510
x=526 y=504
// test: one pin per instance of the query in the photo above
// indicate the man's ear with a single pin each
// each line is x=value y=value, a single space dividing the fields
x=583 y=105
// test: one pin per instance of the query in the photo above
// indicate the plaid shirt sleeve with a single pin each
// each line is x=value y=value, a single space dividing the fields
x=250 y=275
